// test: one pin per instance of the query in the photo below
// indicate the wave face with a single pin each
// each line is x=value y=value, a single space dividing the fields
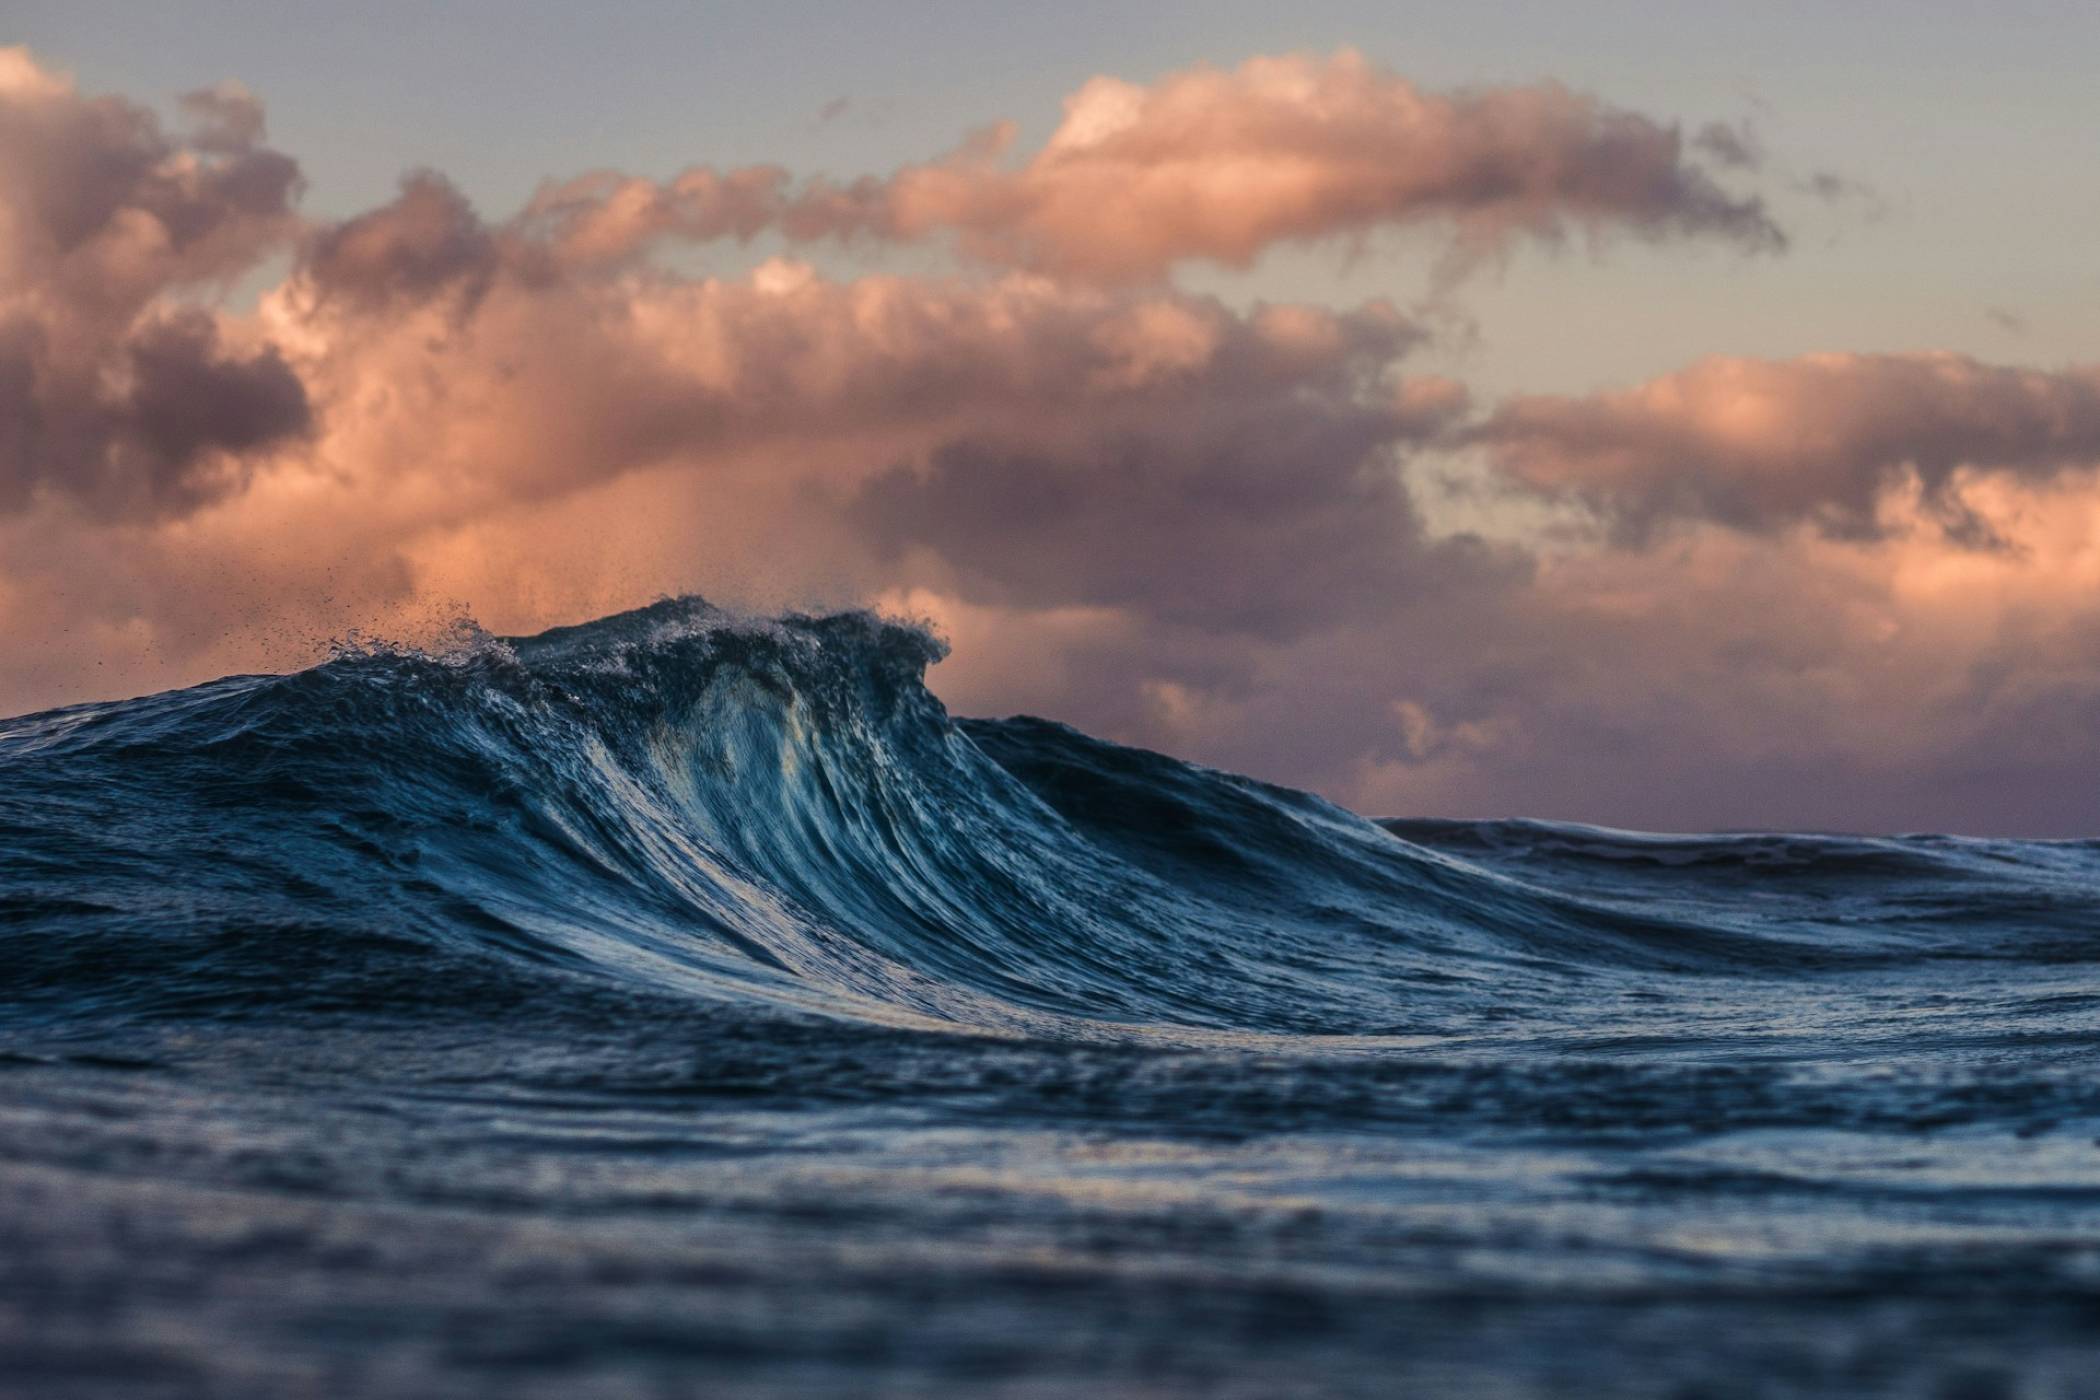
x=1020 y=1059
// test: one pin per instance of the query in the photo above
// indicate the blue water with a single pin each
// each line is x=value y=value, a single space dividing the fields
x=685 y=1004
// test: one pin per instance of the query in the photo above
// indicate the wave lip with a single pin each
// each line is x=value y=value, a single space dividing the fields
x=776 y=813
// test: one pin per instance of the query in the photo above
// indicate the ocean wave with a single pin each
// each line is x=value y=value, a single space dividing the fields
x=684 y=803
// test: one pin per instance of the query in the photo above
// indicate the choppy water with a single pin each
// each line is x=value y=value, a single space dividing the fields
x=681 y=1004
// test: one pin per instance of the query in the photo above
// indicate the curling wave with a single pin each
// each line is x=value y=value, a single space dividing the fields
x=688 y=803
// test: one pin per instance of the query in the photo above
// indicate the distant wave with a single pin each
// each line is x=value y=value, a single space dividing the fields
x=681 y=802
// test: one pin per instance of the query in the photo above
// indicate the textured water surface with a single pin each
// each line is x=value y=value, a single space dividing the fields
x=684 y=1004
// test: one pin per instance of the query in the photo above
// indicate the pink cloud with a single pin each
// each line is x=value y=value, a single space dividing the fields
x=428 y=240
x=605 y=216
x=1219 y=165
x=112 y=397
x=1822 y=440
x=1164 y=517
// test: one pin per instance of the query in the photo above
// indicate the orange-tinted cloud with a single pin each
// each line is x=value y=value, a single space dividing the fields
x=1219 y=165
x=111 y=395
x=428 y=240
x=224 y=117
x=1824 y=440
x=493 y=414
x=605 y=216
x=1159 y=515
x=1261 y=513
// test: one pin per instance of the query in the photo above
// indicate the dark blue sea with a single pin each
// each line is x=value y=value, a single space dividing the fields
x=685 y=1004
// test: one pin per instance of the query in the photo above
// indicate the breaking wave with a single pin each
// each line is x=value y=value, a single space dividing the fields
x=686 y=803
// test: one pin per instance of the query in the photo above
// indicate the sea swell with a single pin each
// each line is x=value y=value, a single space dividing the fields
x=708 y=805
x=699 y=980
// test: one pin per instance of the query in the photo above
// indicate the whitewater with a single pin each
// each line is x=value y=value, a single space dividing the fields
x=684 y=1003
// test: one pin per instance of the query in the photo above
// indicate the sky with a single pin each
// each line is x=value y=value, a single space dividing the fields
x=1619 y=413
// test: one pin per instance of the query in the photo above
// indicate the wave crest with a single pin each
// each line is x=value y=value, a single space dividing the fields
x=776 y=813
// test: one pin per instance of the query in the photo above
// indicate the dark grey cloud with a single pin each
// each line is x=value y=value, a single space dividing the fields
x=1271 y=519
x=167 y=422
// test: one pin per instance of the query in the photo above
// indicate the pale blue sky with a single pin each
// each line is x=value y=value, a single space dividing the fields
x=1978 y=126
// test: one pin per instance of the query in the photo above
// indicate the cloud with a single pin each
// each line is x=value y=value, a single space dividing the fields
x=178 y=431
x=1829 y=186
x=1267 y=507
x=606 y=217
x=225 y=117
x=1219 y=165
x=105 y=211
x=1723 y=680
x=459 y=353
x=1822 y=440
x=1732 y=147
x=428 y=240
x=117 y=400
x=1166 y=517
x=1738 y=147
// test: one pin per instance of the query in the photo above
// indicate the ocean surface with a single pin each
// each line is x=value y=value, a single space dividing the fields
x=685 y=1004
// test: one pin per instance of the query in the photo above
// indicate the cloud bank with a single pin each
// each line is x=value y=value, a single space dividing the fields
x=1219 y=165
x=1822 y=440
x=1848 y=590
x=114 y=396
